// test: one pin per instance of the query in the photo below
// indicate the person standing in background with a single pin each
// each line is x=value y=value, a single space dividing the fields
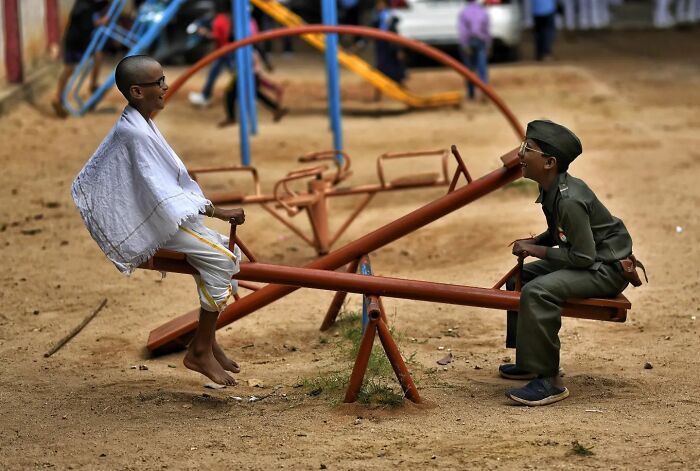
x=662 y=14
x=568 y=15
x=84 y=18
x=350 y=13
x=526 y=7
x=389 y=58
x=221 y=33
x=687 y=11
x=543 y=13
x=473 y=27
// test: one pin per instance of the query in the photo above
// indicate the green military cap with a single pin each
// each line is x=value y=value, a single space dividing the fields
x=554 y=139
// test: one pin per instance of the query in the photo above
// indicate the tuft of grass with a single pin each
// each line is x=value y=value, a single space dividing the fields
x=332 y=383
x=375 y=391
x=580 y=449
x=347 y=319
x=379 y=386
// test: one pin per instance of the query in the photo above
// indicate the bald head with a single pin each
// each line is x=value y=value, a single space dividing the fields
x=133 y=70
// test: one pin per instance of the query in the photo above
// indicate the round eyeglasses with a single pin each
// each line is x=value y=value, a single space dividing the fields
x=524 y=147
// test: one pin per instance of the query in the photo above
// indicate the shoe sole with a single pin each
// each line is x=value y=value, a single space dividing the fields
x=521 y=377
x=542 y=402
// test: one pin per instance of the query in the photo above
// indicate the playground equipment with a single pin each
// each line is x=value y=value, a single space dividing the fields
x=319 y=274
x=284 y=16
x=148 y=24
x=371 y=33
x=320 y=188
x=323 y=184
x=152 y=17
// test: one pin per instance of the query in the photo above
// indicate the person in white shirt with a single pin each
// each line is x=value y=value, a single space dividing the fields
x=135 y=197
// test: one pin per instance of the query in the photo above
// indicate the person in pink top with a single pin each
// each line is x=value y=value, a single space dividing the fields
x=474 y=40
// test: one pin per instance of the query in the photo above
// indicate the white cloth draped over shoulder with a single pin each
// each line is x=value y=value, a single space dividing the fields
x=134 y=192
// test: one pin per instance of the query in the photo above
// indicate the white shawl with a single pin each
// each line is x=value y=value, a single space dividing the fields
x=134 y=192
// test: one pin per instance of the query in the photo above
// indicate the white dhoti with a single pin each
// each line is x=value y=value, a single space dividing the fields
x=207 y=251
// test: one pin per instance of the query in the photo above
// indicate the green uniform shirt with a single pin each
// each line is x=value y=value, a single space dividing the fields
x=585 y=232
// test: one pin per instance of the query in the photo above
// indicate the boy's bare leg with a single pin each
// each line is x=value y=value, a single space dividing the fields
x=225 y=362
x=200 y=356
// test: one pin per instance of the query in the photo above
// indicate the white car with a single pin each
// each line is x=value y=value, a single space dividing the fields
x=435 y=22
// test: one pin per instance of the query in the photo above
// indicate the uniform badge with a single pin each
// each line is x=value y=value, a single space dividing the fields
x=562 y=236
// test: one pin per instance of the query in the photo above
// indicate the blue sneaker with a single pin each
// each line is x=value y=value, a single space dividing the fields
x=538 y=392
x=511 y=371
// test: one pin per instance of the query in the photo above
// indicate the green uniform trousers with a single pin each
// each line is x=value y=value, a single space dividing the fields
x=534 y=329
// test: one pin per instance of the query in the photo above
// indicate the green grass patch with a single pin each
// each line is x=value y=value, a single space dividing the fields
x=377 y=391
x=380 y=386
x=334 y=383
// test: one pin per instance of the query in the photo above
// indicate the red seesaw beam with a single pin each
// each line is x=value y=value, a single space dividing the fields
x=490 y=298
x=175 y=333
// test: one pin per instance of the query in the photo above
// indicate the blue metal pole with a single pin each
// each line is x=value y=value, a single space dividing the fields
x=250 y=74
x=365 y=269
x=83 y=69
x=330 y=17
x=238 y=24
x=143 y=43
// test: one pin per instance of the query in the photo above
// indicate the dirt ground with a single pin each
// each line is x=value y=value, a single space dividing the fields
x=633 y=99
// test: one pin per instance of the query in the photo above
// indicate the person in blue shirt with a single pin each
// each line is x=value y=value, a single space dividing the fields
x=389 y=58
x=543 y=13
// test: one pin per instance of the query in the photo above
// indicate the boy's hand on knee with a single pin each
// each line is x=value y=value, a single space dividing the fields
x=527 y=240
x=520 y=247
x=527 y=247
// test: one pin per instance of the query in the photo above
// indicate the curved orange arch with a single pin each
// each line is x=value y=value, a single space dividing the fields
x=373 y=33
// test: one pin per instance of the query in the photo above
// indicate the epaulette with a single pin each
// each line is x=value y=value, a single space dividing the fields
x=564 y=190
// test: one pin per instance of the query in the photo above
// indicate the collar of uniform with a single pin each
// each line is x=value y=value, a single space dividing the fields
x=548 y=197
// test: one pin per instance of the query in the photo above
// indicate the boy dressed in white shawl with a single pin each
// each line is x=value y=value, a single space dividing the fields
x=135 y=197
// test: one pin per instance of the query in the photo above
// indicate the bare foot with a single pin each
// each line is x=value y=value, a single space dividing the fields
x=225 y=362
x=209 y=367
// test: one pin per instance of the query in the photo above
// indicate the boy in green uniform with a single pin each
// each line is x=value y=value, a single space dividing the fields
x=579 y=258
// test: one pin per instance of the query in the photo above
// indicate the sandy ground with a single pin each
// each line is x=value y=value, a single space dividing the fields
x=633 y=99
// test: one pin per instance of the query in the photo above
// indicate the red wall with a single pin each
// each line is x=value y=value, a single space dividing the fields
x=12 y=41
x=30 y=35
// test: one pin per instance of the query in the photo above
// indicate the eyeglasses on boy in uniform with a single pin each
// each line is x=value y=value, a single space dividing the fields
x=524 y=147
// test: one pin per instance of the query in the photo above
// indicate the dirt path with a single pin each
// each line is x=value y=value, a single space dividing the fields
x=633 y=103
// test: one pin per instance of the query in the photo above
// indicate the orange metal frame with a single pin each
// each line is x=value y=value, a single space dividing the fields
x=323 y=184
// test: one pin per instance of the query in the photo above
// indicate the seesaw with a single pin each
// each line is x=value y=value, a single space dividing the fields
x=319 y=274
